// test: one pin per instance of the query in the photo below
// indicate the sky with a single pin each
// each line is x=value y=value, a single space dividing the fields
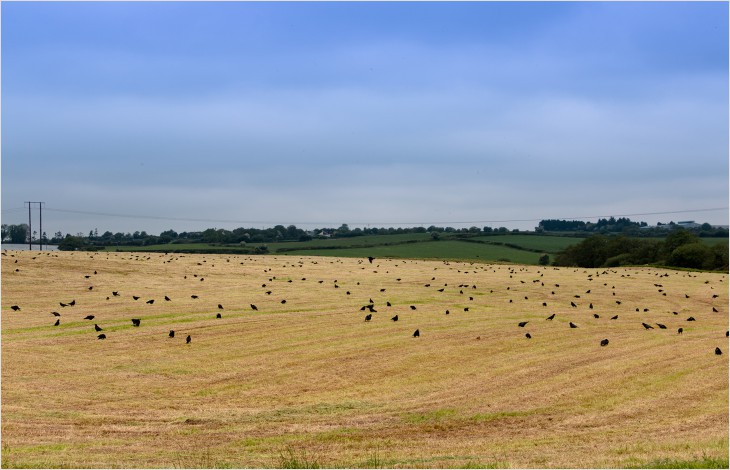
x=131 y=116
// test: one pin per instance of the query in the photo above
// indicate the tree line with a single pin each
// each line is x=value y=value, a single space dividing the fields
x=681 y=248
x=279 y=233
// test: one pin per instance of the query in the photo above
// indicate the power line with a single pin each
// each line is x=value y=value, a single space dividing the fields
x=258 y=222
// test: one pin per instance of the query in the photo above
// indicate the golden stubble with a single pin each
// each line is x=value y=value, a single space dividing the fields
x=311 y=379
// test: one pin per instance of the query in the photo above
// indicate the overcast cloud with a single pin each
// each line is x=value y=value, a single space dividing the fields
x=381 y=114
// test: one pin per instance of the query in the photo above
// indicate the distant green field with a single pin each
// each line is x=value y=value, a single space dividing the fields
x=545 y=243
x=447 y=249
x=524 y=249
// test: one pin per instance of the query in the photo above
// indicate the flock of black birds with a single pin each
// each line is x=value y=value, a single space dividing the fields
x=370 y=307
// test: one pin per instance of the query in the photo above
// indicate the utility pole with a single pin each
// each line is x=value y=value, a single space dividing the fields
x=30 y=227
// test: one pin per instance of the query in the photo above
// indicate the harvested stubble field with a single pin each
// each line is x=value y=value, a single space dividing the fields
x=309 y=383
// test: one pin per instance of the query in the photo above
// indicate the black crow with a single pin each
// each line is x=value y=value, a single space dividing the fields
x=680 y=330
x=89 y=317
x=413 y=307
x=572 y=304
x=573 y=325
x=528 y=335
x=615 y=317
x=172 y=334
x=115 y=293
x=691 y=319
x=253 y=307
x=604 y=342
x=135 y=297
x=136 y=321
x=370 y=258
x=283 y=301
x=218 y=315
x=395 y=318
x=72 y=303
x=466 y=309
x=590 y=306
x=388 y=304
x=62 y=304
x=15 y=308
x=648 y=327
x=97 y=327
x=151 y=301
x=416 y=334
x=101 y=336
x=55 y=314
x=167 y=298
x=368 y=317
x=544 y=304
x=663 y=327
x=522 y=324
x=187 y=340
x=718 y=351
x=447 y=312
x=193 y=296
x=58 y=322
x=715 y=310
x=550 y=317
x=595 y=315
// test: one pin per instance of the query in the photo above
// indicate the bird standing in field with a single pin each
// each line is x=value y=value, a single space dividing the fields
x=395 y=318
x=573 y=325
x=221 y=306
x=15 y=308
x=528 y=335
x=416 y=334
x=58 y=322
x=55 y=314
x=550 y=317
x=167 y=298
x=187 y=340
x=101 y=336
x=172 y=334
x=718 y=351
x=646 y=326
x=604 y=342
x=218 y=315
x=89 y=317
x=522 y=324
x=151 y=301
x=253 y=307
x=97 y=327
x=136 y=321
x=663 y=327
x=135 y=297
x=368 y=317
x=680 y=330
x=615 y=317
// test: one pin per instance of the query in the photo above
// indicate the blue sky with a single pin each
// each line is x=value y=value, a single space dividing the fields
x=189 y=115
